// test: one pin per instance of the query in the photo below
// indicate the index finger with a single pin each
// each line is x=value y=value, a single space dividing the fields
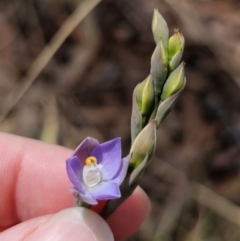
x=33 y=179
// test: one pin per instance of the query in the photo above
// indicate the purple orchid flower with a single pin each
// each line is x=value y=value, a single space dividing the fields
x=97 y=170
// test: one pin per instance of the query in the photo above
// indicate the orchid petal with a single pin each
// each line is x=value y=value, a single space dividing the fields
x=105 y=191
x=85 y=197
x=74 y=168
x=119 y=177
x=109 y=155
x=85 y=149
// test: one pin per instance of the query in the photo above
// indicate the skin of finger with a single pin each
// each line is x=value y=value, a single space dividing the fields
x=24 y=229
x=33 y=179
x=34 y=182
x=133 y=216
x=69 y=224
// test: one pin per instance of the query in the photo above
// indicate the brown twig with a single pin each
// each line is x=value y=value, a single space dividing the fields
x=181 y=192
x=44 y=57
x=216 y=203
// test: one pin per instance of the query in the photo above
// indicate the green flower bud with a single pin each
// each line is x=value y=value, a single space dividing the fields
x=175 y=44
x=159 y=67
x=136 y=118
x=165 y=107
x=174 y=83
x=175 y=61
x=144 y=145
x=159 y=28
x=145 y=95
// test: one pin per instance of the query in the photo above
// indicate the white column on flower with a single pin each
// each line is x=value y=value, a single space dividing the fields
x=92 y=174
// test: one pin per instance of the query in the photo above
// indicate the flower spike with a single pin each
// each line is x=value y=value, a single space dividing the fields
x=97 y=171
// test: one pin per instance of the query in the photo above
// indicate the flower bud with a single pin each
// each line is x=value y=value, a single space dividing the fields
x=165 y=107
x=175 y=44
x=144 y=145
x=136 y=118
x=145 y=95
x=174 y=83
x=159 y=67
x=159 y=28
x=175 y=61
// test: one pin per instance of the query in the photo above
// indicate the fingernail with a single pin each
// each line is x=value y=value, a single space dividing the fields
x=73 y=224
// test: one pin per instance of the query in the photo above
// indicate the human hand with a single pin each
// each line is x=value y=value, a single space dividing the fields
x=34 y=190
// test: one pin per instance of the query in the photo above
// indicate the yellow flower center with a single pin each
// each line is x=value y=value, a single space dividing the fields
x=90 y=161
x=91 y=172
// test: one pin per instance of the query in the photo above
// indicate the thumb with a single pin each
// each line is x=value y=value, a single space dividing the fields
x=70 y=224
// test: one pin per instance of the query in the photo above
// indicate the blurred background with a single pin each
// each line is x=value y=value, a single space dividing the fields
x=62 y=92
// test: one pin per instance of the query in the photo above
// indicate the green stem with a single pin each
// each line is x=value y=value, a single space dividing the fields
x=79 y=203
